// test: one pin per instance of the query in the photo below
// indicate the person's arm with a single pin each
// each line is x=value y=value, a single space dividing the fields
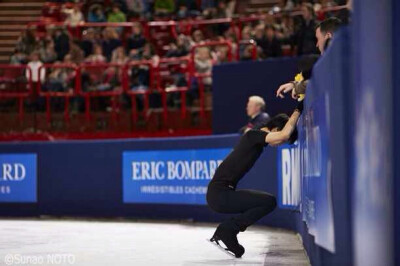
x=276 y=138
x=284 y=89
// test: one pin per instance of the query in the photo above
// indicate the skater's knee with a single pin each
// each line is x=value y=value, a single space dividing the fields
x=214 y=205
x=216 y=202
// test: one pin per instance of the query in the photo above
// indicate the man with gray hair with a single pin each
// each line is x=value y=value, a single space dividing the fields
x=255 y=110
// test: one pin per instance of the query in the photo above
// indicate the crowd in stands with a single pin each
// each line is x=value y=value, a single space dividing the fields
x=287 y=30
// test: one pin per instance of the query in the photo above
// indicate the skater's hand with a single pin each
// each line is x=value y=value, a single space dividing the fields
x=284 y=89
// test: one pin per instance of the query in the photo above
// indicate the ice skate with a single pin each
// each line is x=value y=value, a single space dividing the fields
x=225 y=238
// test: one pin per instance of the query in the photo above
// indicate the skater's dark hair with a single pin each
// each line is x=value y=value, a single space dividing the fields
x=279 y=121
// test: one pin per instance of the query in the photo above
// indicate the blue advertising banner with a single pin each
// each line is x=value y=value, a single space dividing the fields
x=316 y=171
x=169 y=176
x=18 y=177
x=304 y=173
x=289 y=181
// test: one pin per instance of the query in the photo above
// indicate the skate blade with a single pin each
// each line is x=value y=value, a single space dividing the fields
x=225 y=250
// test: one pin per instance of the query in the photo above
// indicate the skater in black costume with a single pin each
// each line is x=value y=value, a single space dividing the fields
x=252 y=205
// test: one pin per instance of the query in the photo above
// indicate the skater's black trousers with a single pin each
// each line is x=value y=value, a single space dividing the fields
x=251 y=204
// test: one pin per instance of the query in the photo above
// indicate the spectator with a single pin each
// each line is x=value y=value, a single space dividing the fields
x=187 y=8
x=34 y=64
x=76 y=53
x=68 y=60
x=203 y=63
x=230 y=35
x=74 y=16
x=136 y=40
x=88 y=41
x=61 y=43
x=255 y=110
x=148 y=53
x=27 y=42
x=116 y=15
x=182 y=12
x=221 y=54
x=136 y=8
x=47 y=52
x=246 y=33
x=18 y=57
x=247 y=53
x=230 y=8
x=96 y=14
x=197 y=36
x=207 y=5
x=221 y=10
x=324 y=32
x=287 y=29
x=271 y=46
x=110 y=41
x=259 y=36
x=288 y=5
x=180 y=48
x=119 y=56
x=260 y=39
x=140 y=75
x=97 y=56
x=122 y=5
x=306 y=35
x=164 y=7
x=61 y=79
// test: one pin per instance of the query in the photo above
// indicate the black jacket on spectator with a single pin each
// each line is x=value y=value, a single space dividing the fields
x=271 y=48
x=109 y=46
x=135 y=42
x=306 y=39
x=87 y=47
x=180 y=51
x=61 y=45
x=190 y=4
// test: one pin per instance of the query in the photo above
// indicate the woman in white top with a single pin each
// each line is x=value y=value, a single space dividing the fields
x=34 y=66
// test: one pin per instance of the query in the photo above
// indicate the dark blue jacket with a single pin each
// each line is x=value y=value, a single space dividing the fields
x=258 y=120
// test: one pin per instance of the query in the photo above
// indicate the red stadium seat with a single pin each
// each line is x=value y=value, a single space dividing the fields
x=145 y=92
x=67 y=75
x=101 y=80
x=167 y=68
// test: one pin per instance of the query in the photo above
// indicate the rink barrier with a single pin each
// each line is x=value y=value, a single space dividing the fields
x=85 y=178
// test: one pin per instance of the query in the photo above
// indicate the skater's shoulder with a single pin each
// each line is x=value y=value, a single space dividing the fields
x=256 y=135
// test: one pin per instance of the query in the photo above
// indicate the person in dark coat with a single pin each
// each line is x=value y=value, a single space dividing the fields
x=306 y=36
x=255 y=110
x=61 y=43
